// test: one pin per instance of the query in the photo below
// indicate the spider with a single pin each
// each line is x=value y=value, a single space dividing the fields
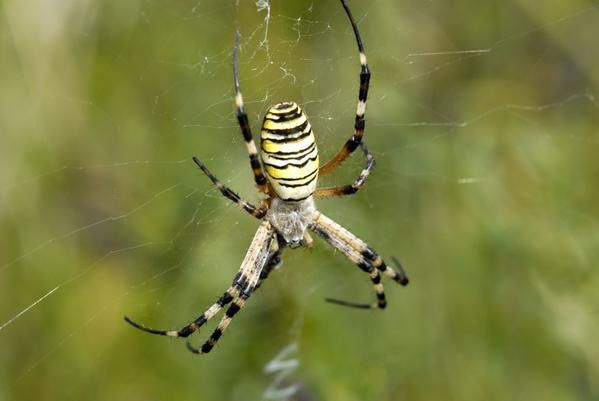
x=287 y=172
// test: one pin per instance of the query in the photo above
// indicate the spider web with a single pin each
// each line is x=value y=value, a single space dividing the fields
x=484 y=125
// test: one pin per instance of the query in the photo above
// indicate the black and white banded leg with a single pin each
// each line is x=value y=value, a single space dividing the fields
x=327 y=232
x=242 y=119
x=360 y=254
x=235 y=307
x=257 y=258
x=258 y=212
x=356 y=185
x=263 y=245
x=354 y=141
x=367 y=252
x=273 y=262
x=192 y=327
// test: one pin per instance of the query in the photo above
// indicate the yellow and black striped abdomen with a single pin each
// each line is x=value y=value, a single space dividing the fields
x=289 y=152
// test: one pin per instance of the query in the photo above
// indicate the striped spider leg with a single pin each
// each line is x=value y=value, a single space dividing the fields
x=246 y=131
x=242 y=119
x=352 y=188
x=356 y=139
x=262 y=253
x=272 y=262
x=333 y=233
x=257 y=212
x=362 y=255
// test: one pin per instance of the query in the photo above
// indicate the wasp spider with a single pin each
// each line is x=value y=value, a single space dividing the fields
x=286 y=173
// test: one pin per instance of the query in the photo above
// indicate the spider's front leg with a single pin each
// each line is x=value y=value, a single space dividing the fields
x=360 y=254
x=273 y=262
x=263 y=253
x=261 y=250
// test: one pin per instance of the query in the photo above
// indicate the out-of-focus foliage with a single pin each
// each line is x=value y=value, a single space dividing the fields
x=484 y=122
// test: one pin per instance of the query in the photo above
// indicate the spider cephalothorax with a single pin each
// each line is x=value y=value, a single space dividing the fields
x=287 y=172
x=291 y=219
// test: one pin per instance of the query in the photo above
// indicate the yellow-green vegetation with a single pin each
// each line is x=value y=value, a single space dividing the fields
x=484 y=121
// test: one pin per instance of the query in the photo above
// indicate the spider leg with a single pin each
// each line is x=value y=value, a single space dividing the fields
x=380 y=295
x=257 y=212
x=187 y=330
x=235 y=307
x=263 y=247
x=354 y=141
x=242 y=119
x=362 y=255
x=350 y=189
x=360 y=246
x=244 y=279
x=356 y=257
x=273 y=262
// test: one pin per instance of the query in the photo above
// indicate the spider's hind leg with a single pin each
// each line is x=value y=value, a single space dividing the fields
x=244 y=125
x=359 y=123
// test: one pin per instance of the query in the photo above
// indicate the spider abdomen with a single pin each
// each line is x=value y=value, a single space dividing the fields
x=289 y=152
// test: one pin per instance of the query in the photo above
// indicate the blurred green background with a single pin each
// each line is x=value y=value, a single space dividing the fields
x=484 y=122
